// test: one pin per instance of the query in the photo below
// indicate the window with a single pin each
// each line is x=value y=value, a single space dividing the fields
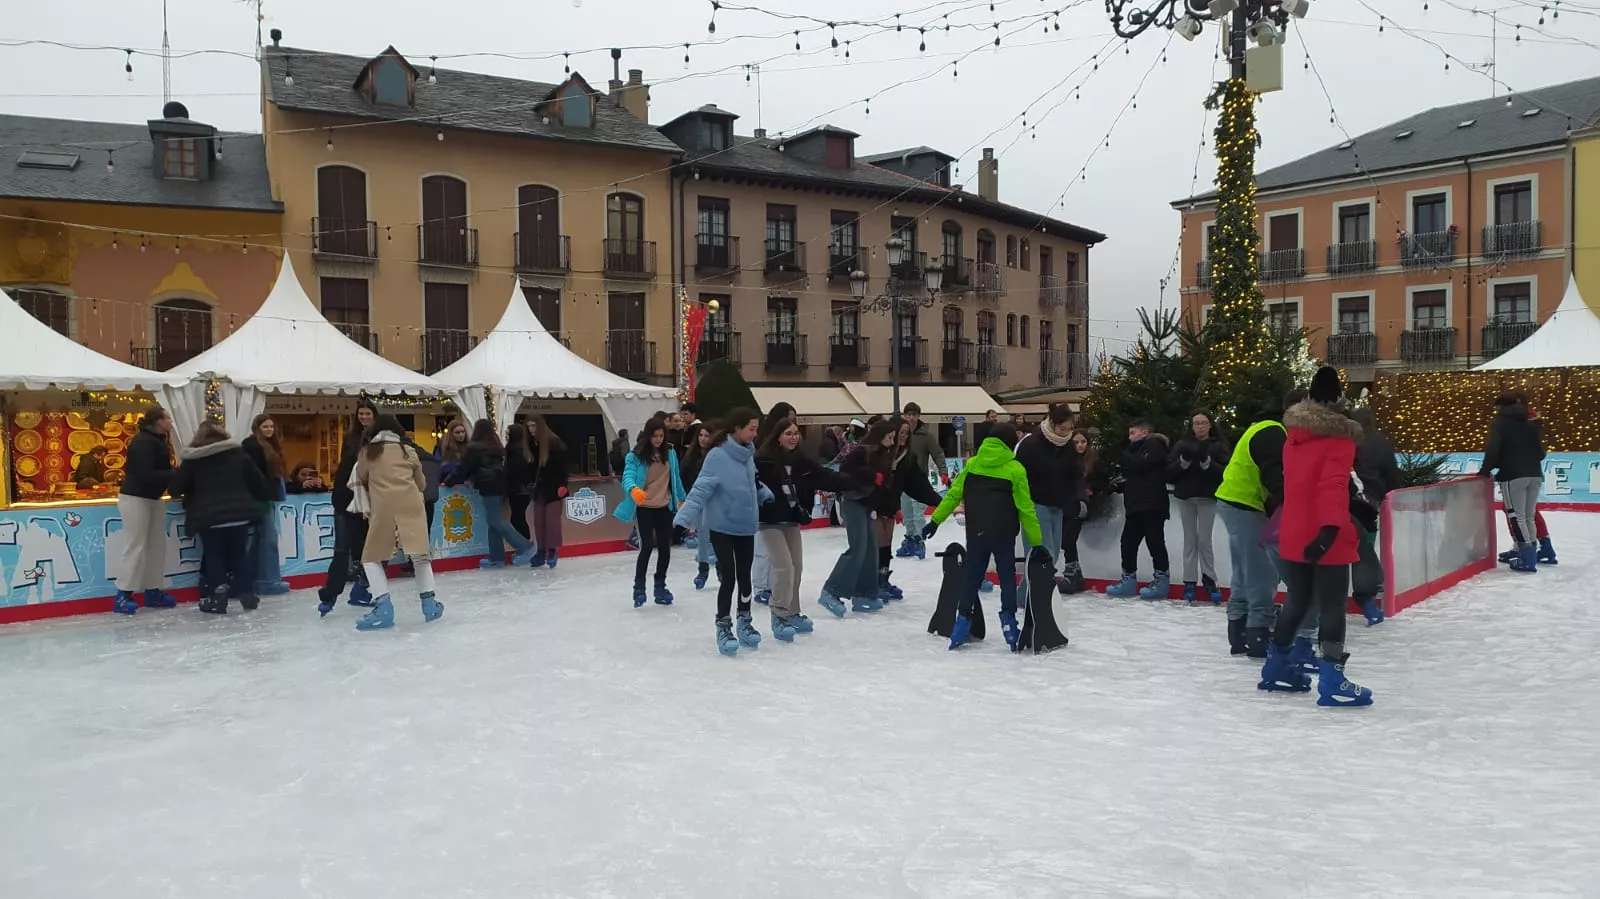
x=183 y=331
x=1011 y=329
x=625 y=217
x=627 y=351
x=180 y=158
x=1283 y=232
x=719 y=328
x=1355 y=315
x=444 y=325
x=54 y=309
x=342 y=211
x=1283 y=317
x=711 y=236
x=1047 y=334
x=577 y=108
x=783 y=317
x=1072 y=267
x=846 y=232
x=1072 y=336
x=985 y=327
x=345 y=306
x=1024 y=332
x=1027 y=255
x=950 y=244
x=1011 y=251
x=780 y=228
x=391 y=83
x=953 y=325
x=908 y=325
x=1428 y=310
x=905 y=228
x=1047 y=263
x=546 y=306
x=713 y=134
x=1355 y=223
x=1513 y=203
x=1513 y=301
x=444 y=220
x=1428 y=214
x=846 y=320
x=539 y=243
x=986 y=247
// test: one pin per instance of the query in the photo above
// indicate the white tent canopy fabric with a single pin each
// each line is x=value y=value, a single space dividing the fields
x=33 y=356
x=288 y=347
x=1569 y=338
x=520 y=359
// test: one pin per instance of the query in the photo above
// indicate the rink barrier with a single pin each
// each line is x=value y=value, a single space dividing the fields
x=1434 y=537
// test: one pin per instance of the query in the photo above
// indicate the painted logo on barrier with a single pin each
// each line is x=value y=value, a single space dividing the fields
x=456 y=518
x=586 y=506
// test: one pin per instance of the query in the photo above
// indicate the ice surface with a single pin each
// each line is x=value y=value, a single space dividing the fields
x=547 y=739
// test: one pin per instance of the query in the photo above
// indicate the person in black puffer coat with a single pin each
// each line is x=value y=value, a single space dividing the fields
x=549 y=488
x=794 y=478
x=1055 y=481
x=1145 y=504
x=1514 y=456
x=483 y=466
x=223 y=494
x=520 y=473
x=144 y=515
x=349 y=534
x=1194 y=468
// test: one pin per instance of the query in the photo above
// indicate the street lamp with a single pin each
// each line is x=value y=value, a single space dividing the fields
x=899 y=294
x=1262 y=20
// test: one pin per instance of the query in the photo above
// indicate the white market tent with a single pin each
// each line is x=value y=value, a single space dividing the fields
x=519 y=359
x=33 y=356
x=287 y=347
x=1569 y=338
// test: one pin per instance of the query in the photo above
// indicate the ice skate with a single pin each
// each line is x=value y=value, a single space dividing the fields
x=1255 y=641
x=1128 y=586
x=886 y=591
x=125 y=604
x=550 y=558
x=701 y=574
x=1213 y=593
x=663 y=596
x=216 y=603
x=1303 y=656
x=1236 y=640
x=763 y=597
x=323 y=608
x=986 y=586
x=381 y=616
x=801 y=624
x=1507 y=556
x=1009 y=629
x=726 y=644
x=1071 y=580
x=1279 y=675
x=520 y=559
x=906 y=549
x=832 y=603
x=749 y=637
x=1547 y=552
x=1334 y=690
x=360 y=595
x=639 y=596
x=1373 y=611
x=492 y=562
x=249 y=602
x=783 y=628
x=1159 y=588
x=1189 y=590
x=919 y=548
x=866 y=604
x=432 y=609
x=960 y=632
x=156 y=599
x=1527 y=560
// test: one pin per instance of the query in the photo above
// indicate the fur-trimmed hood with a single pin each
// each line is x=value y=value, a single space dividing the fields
x=1321 y=420
x=210 y=449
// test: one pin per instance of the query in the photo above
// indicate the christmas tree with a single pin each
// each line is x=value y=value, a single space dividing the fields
x=1157 y=382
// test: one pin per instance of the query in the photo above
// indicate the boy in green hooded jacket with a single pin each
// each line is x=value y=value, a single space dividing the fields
x=994 y=486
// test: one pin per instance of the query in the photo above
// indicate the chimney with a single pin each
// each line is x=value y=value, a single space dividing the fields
x=615 y=87
x=761 y=134
x=635 y=97
x=989 y=175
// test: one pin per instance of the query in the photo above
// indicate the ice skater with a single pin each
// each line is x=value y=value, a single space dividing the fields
x=699 y=444
x=1318 y=543
x=224 y=497
x=349 y=531
x=793 y=478
x=1090 y=484
x=905 y=486
x=1055 y=476
x=1145 y=509
x=922 y=446
x=652 y=489
x=1194 y=468
x=1513 y=457
x=144 y=516
x=994 y=486
x=726 y=498
x=868 y=466
x=483 y=464
x=390 y=473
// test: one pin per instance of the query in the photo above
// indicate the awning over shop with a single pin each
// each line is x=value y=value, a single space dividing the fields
x=814 y=404
x=938 y=401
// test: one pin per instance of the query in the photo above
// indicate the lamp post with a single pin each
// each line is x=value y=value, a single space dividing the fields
x=1260 y=20
x=899 y=293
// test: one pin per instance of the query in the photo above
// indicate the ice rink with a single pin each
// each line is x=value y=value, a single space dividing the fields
x=547 y=739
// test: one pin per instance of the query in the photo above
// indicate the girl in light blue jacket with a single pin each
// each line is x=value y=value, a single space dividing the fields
x=726 y=499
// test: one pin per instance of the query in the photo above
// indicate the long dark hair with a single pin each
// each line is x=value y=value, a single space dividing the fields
x=642 y=447
x=735 y=419
x=271 y=447
x=880 y=429
x=482 y=434
x=517 y=441
x=770 y=448
x=1090 y=456
x=381 y=422
x=208 y=433
x=451 y=449
x=548 y=440
x=693 y=453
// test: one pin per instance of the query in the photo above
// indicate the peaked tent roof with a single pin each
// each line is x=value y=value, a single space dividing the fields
x=33 y=356
x=520 y=355
x=1569 y=338
x=288 y=347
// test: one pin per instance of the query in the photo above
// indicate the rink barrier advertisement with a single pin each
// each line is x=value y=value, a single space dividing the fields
x=1435 y=537
x=63 y=560
x=1571 y=480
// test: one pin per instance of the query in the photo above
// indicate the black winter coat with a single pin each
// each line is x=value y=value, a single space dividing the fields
x=1203 y=475
x=1376 y=466
x=220 y=484
x=1516 y=446
x=688 y=469
x=1144 y=476
x=483 y=465
x=149 y=467
x=794 y=483
x=430 y=473
x=905 y=479
x=519 y=473
x=252 y=448
x=1055 y=473
x=550 y=477
x=342 y=494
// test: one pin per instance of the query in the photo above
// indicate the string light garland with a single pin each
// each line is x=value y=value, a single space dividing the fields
x=1450 y=411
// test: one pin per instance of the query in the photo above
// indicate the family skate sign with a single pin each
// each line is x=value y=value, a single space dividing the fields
x=586 y=506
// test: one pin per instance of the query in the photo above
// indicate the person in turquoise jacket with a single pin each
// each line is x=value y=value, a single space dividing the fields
x=726 y=501
x=651 y=492
x=995 y=487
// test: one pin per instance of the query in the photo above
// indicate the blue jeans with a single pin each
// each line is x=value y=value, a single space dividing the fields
x=979 y=550
x=704 y=553
x=912 y=511
x=1255 y=576
x=268 y=569
x=1050 y=518
x=856 y=572
x=499 y=532
x=761 y=569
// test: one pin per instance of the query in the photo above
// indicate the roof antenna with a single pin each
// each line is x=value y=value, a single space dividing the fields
x=756 y=68
x=166 y=58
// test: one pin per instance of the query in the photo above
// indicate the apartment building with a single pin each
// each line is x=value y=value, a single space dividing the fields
x=1438 y=241
x=420 y=192
x=773 y=227
x=1586 y=211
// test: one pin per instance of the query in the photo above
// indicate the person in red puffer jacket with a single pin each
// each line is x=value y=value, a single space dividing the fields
x=1317 y=541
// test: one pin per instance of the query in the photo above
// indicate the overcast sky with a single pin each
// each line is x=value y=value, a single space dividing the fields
x=1373 y=78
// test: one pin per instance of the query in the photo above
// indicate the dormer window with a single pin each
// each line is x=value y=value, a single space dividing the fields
x=577 y=109
x=388 y=80
x=713 y=134
x=180 y=158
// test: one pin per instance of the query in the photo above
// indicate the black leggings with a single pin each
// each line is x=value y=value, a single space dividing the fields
x=519 y=513
x=1324 y=587
x=1071 y=524
x=655 y=533
x=1149 y=528
x=735 y=555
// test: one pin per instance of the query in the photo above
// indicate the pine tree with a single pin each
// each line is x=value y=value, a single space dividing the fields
x=1157 y=382
x=721 y=390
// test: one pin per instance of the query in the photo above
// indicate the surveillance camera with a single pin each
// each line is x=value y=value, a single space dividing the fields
x=1223 y=7
x=1297 y=8
x=1263 y=33
x=1188 y=28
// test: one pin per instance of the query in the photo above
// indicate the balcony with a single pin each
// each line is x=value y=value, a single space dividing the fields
x=785 y=259
x=1512 y=240
x=991 y=362
x=1428 y=346
x=1077 y=371
x=912 y=355
x=629 y=354
x=786 y=351
x=447 y=244
x=146 y=357
x=1352 y=348
x=542 y=253
x=1429 y=249
x=848 y=353
x=631 y=259
x=957 y=357
x=1052 y=367
x=442 y=347
x=957 y=271
x=720 y=344
x=988 y=283
x=347 y=240
x=1202 y=274
x=362 y=334
x=716 y=254
x=842 y=260
x=1282 y=265
x=1500 y=336
x=1077 y=299
x=1052 y=293
x=1352 y=258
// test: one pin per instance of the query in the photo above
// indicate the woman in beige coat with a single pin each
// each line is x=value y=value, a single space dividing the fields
x=389 y=472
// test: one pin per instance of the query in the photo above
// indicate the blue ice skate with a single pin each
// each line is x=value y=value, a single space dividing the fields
x=1373 y=610
x=663 y=596
x=763 y=597
x=1547 y=552
x=986 y=586
x=886 y=591
x=1209 y=591
x=361 y=595
x=125 y=604
x=1009 y=629
x=1527 y=560
x=381 y=616
x=1128 y=586
x=520 y=559
x=1190 y=589
x=749 y=637
x=639 y=596
x=550 y=558
x=866 y=604
x=492 y=561
x=1334 y=690
x=156 y=599
x=432 y=609
x=1279 y=676
x=1303 y=656
x=783 y=628
x=801 y=624
x=323 y=608
x=1159 y=588
x=907 y=548
x=961 y=631
x=726 y=644
x=701 y=574
x=919 y=548
x=832 y=603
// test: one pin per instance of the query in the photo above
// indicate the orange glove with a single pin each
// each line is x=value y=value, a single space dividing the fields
x=561 y=491
x=638 y=494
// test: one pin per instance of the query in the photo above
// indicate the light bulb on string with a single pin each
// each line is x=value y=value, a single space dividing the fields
x=566 y=63
x=923 y=46
x=712 y=28
x=846 y=49
x=686 y=56
x=797 y=41
x=111 y=163
x=433 y=70
x=127 y=65
x=330 y=140
x=833 y=36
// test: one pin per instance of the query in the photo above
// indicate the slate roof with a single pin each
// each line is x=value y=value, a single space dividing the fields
x=1435 y=137
x=325 y=83
x=903 y=154
x=239 y=179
